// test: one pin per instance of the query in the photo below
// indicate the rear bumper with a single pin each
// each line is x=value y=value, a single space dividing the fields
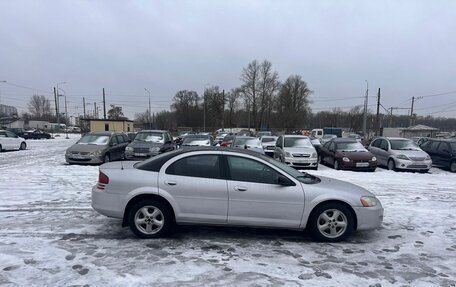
x=107 y=203
x=86 y=160
x=369 y=217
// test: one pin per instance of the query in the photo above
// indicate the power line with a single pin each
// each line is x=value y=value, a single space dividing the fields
x=28 y=88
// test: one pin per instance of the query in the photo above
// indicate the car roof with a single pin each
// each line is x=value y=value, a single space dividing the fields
x=444 y=140
x=245 y=137
x=394 y=138
x=295 y=136
x=344 y=140
x=152 y=131
x=102 y=133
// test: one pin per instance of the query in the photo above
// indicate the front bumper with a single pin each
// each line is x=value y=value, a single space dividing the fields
x=412 y=164
x=105 y=203
x=309 y=162
x=83 y=159
x=353 y=165
x=369 y=217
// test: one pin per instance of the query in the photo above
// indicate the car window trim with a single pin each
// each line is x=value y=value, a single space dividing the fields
x=222 y=172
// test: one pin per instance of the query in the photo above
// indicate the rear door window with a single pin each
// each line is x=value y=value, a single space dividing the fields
x=207 y=166
x=249 y=170
x=435 y=146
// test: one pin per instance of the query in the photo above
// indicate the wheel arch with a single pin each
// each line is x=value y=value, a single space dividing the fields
x=348 y=206
x=141 y=197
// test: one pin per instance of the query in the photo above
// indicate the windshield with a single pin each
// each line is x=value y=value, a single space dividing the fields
x=350 y=147
x=329 y=136
x=197 y=141
x=247 y=141
x=149 y=137
x=297 y=142
x=301 y=176
x=264 y=134
x=94 y=139
x=268 y=140
x=403 y=145
x=453 y=146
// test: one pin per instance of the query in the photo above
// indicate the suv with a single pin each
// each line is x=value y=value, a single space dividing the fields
x=149 y=143
x=97 y=147
x=442 y=152
x=400 y=153
x=296 y=151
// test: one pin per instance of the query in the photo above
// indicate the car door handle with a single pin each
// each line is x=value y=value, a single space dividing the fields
x=170 y=182
x=240 y=188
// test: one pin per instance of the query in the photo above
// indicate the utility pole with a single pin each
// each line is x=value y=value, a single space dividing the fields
x=204 y=112
x=56 y=106
x=84 y=105
x=377 y=120
x=150 y=117
x=411 y=112
x=95 y=110
x=391 y=118
x=104 y=105
x=365 y=111
x=223 y=110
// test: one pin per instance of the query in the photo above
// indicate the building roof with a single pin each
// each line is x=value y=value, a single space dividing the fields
x=107 y=120
x=420 y=128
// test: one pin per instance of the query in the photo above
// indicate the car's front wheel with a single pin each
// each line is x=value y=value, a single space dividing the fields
x=106 y=158
x=336 y=165
x=23 y=146
x=391 y=165
x=453 y=166
x=332 y=222
x=150 y=219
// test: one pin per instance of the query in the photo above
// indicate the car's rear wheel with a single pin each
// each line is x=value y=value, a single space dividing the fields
x=23 y=146
x=150 y=219
x=453 y=166
x=332 y=222
x=391 y=165
x=106 y=158
x=1 y=148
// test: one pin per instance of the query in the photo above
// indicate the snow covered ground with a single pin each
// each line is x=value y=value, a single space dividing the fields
x=50 y=236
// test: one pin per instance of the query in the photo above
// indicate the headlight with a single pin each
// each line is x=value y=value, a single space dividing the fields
x=402 y=156
x=346 y=159
x=374 y=158
x=314 y=155
x=369 y=201
x=129 y=148
x=154 y=149
x=96 y=153
x=287 y=154
x=428 y=157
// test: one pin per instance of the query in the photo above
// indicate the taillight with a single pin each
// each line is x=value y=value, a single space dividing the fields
x=103 y=178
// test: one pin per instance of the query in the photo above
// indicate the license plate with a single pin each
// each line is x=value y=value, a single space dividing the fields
x=362 y=164
x=78 y=156
x=140 y=154
x=270 y=147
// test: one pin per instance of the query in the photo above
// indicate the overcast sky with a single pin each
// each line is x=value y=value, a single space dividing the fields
x=406 y=48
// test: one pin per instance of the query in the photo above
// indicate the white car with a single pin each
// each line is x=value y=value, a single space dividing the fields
x=296 y=151
x=10 y=141
x=268 y=143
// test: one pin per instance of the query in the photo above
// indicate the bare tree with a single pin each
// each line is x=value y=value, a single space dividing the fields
x=232 y=100
x=115 y=113
x=187 y=111
x=293 y=102
x=143 y=119
x=250 y=78
x=39 y=107
x=268 y=86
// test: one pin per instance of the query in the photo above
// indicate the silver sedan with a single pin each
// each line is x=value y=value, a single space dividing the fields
x=230 y=187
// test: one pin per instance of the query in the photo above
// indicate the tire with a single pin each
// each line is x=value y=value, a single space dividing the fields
x=281 y=159
x=23 y=146
x=453 y=166
x=144 y=224
x=336 y=165
x=106 y=158
x=391 y=165
x=424 y=171
x=331 y=222
x=1 y=148
x=321 y=160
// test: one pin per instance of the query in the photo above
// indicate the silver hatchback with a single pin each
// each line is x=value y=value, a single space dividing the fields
x=226 y=186
x=400 y=153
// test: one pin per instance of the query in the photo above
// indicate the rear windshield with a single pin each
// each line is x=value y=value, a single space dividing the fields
x=149 y=137
x=249 y=142
x=268 y=140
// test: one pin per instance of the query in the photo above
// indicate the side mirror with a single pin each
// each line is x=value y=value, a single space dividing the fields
x=283 y=181
x=113 y=144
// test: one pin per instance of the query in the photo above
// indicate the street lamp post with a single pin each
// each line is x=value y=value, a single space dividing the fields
x=365 y=111
x=150 y=118
x=58 y=106
x=204 y=107
x=66 y=112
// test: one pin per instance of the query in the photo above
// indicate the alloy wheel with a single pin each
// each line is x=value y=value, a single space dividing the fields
x=332 y=223
x=453 y=166
x=391 y=164
x=149 y=219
